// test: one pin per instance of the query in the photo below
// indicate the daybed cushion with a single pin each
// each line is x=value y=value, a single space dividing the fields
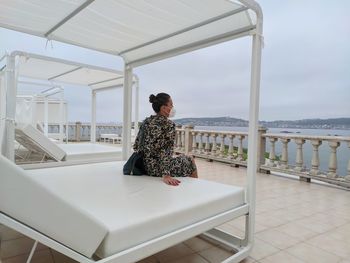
x=34 y=140
x=136 y=208
x=90 y=151
x=48 y=211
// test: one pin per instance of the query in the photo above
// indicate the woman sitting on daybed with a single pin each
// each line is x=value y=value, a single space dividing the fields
x=158 y=146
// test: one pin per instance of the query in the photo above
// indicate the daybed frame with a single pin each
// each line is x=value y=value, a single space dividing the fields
x=135 y=56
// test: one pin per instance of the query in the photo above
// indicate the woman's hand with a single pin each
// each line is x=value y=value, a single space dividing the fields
x=171 y=181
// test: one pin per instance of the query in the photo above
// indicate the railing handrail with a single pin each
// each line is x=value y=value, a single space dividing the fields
x=221 y=132
x=307 y=137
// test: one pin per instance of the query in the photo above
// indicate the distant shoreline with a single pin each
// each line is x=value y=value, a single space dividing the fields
x=330 y=124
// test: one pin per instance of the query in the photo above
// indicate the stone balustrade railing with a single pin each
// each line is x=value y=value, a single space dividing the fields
x=229 y=147
x=81 y=131
x=300 y=168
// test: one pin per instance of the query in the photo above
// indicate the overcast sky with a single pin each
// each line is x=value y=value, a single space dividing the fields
x=305 y=69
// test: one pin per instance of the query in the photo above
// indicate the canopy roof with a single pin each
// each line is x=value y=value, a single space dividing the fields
x=139 y=31
x=65 y=71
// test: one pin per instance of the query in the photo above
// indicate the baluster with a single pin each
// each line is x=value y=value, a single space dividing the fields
x=299 y=160
x=200 y=144
x=284 y=157
x=176 y=139
x=213 y=148
x=348 y=176
x=194 y=142
x=178 y=145
x=272 y=154
x=207 y=145
x=230 y=147
x=183 y=141
x=222 y=145
x=315 y=162
x=332 y=167
x=240 y=148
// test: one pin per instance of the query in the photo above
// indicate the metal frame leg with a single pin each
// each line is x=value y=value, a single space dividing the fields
x=32 y=251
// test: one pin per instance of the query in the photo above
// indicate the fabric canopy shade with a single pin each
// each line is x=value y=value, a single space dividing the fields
x=139 y=31
x=69 y=72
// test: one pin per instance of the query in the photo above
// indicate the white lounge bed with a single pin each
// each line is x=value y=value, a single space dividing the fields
x=107 y=137
x=32 y=139
x=96 y=210
x=90 y=151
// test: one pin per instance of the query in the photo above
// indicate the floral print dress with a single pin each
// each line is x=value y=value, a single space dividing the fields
x=158 y=149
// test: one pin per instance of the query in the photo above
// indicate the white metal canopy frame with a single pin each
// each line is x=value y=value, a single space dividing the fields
x=142 y=32
x=55 y=72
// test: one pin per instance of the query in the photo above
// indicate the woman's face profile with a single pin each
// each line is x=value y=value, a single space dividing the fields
x=166 y=109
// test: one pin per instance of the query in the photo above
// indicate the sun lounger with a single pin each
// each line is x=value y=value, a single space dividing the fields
x=32 y=139
x=94 y=210
x=35 y=141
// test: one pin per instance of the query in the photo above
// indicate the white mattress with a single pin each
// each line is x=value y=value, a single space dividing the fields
x=34 y=140
x=86 y=151
x=32 y=203
x=135 y=209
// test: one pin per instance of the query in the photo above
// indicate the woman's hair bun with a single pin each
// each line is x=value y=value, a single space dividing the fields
x=152 y=98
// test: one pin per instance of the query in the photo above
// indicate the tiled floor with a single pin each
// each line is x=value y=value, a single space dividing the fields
x=295 y=222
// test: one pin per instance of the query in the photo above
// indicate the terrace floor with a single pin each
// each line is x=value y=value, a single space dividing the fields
x=295 y=222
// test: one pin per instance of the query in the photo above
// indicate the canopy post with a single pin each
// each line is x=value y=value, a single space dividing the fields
x=252 y=163
x=11 y=92
x=46 y=116
x=127 y=109
x=93 y=117
x=61 y=116
x=137 y=90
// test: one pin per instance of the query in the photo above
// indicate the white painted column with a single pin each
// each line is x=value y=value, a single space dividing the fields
x=272 y=154
x=67 y=123
x=284 y=157
x=315 y=162
x=214 y=146
x=194 y=143
x=252 y=162
x=46 y=116
x=348 y=168
x=230 y=147
x=200 y=143
x=240 y=148
x=299 y=159
x=332 y=167
x=2 y=111
x=137 y=91
x=207 y=145
x=11 y=92
x=183 y=142
x=222 y=145
x=127 y=109
x=178 y=141
x=61 y=117
x=93 y=117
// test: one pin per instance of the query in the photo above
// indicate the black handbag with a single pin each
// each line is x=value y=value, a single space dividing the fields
x=135 y=165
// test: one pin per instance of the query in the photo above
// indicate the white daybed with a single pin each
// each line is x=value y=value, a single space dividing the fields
x=94 y=209
x=140 y=32
x=34 y=140
x=107 y=137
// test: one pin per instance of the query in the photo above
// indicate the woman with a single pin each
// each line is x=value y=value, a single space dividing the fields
x=158 y=145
